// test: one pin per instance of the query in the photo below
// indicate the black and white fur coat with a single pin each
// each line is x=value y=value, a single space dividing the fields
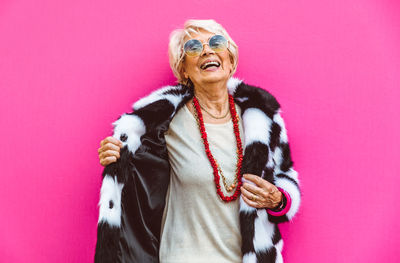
x=133 y=190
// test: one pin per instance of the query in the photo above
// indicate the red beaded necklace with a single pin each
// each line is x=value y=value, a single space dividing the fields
x=239 y=151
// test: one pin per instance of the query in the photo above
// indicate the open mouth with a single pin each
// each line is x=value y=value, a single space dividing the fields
x=209 y=64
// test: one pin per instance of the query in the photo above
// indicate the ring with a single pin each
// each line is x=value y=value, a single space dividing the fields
x=254 y=198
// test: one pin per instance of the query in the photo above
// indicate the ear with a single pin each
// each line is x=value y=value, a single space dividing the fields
x=231 y=59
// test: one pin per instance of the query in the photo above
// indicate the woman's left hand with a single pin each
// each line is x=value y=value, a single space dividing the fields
x=261 y=195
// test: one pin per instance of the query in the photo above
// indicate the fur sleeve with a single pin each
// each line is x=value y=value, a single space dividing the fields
x=284 y=175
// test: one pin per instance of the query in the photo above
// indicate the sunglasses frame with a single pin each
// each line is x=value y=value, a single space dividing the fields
x=207 y=43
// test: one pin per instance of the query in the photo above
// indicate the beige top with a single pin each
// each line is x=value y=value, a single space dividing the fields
x=197 y=226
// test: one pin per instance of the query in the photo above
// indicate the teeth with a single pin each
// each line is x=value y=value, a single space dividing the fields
x=214 y=63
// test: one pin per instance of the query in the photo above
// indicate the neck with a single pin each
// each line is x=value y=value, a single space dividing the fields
x=214 y=97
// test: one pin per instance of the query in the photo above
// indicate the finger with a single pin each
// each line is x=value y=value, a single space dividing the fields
x=254 y=189
x=109 y=153
x=108 y=146
x=260 y=182
x=112 y=140
x=106 y=161
x=104 y=141
x=249 y=195
x=250 y=202
x=269 y=192
x=111 y=146
x=255 y=179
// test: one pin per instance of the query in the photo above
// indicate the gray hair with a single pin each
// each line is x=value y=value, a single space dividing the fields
x=175 y=48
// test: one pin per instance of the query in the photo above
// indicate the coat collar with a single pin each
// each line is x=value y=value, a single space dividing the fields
x=175 y=94
x=258 y=109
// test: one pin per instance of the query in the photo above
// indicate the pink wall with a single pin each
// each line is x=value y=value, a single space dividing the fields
x=70 y=68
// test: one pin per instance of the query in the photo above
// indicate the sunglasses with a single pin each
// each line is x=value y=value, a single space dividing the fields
x=194 y=47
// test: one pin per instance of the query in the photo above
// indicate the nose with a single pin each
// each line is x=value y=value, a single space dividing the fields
x=206 y=49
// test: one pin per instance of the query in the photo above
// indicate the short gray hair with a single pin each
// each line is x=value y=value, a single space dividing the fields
x=175 y=48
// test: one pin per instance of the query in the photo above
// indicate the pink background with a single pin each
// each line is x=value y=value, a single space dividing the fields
x=68 y=69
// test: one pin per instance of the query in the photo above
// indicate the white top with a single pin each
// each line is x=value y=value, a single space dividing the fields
x=197 y=226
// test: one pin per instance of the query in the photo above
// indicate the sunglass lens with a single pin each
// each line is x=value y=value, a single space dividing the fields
x=218 y=43
x=193 y=47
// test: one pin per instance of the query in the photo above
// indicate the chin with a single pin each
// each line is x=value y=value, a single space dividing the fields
x=212 y=78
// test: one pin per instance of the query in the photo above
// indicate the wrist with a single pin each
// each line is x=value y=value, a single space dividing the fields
x=280 y=205
x=286 y=203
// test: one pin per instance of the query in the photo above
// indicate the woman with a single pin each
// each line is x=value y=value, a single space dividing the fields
x=200 y=171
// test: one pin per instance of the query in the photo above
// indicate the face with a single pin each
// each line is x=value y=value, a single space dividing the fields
x=195 y=69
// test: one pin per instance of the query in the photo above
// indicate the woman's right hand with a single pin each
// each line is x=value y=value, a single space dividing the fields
x=109 y=150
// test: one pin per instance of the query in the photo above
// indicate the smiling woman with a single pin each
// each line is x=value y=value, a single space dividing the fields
x=200 y=171
x=182 y=39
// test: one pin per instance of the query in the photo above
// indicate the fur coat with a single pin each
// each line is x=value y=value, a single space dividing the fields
x=133 y=191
